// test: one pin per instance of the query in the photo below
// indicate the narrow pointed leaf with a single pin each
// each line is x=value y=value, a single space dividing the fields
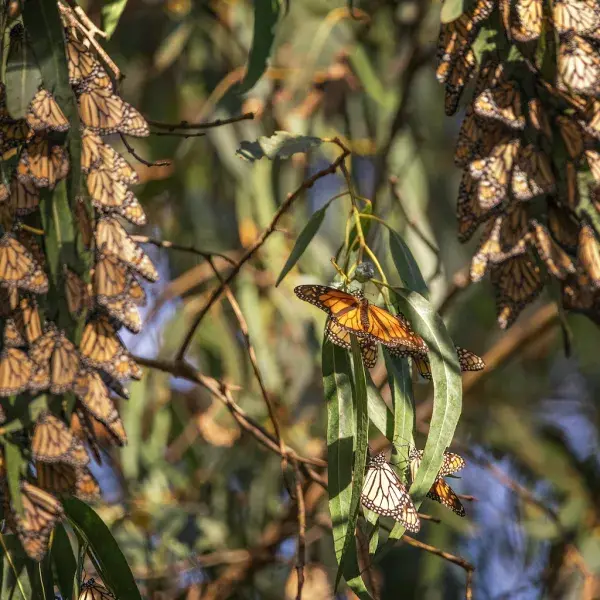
x=406 y=265
x=111 y=13
x=64 y=561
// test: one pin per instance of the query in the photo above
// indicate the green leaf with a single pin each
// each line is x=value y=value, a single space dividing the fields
x=304 y=239
x=400 y=382
x=349 y=556
x=15 y=464
x=64 y=561
x=281 y=144
x=16 y=570
x=266 y=13
x=114 y=570
x=23 y=77
x=341 y=424
x=406 y=265
x=447 y=384
x=111 y=13
x=451 y=10
x=379 y=412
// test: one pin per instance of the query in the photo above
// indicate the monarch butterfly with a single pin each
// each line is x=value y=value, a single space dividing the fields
x=43 y=163
x=90 y=590
x=76 y=292
x=563 y=227
x=53 y=442
x=492 y=173
x=336 y=334
x=468 y=361
x=592 y=122
x=44 y=113
x=105 y=190
x=81 y=62
x=57 y=477
x=13 y=134
x=82 y=427
x=100 y=344
x=503 y=237
x=469 y=212
x=557 y=261
x=572 y=136
x=593 y=159
x=18 y=268
x=112 y=237
x=440 y=491
x=24 y=196
x=93 y=395
x=386 y=495
x=111 y=278
x=532 y=175
x=526 y=23
x=589 y=254
x=24 y=326
x=580 y=16
x=95 y=152
x=104 y=112
x=578 y=293
x=517 y=281
x=136 y=293
x=503 y=103
x=84 y=223
x=31 y=242
x=461 y=71
x=42 y=512
x=355 y=314
x=124 y=311
x=55 y=348
x=131 y=210
x=578 y=66
x=538 y=117
x=124 y=368
x=476 y=138
x=15 y=371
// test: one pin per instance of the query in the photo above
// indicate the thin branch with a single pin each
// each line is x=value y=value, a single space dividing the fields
x=222 y=392
x=130 y=149
x=90 y=35
x=301 y=557
x=208 y=125
x=460 y=281
x=457 y=560
x=177 y=134
x=252 y=355
x=262 y=238
x=144 y=239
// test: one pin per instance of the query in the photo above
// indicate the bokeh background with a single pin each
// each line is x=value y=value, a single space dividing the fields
x=194 y=501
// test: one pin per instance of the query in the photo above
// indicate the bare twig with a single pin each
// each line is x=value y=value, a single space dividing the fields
x=67 y=12
x=460 y=281
x=144 y=239
x=262 y=238
x=180 y=134
x=457 y=560
x=130 y=149
x=208 y=125
x=301 y=556
x=222 y=392
x=252 y=355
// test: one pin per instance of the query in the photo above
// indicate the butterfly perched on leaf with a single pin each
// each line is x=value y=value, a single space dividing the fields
x=386 y=495
x=43 y=162
x=18 y=269
x=23 y=326
x=578 y=66
x=15 y=371
x=339 y=336
x=66 y=479
x=44 y=113
x=440 y=491
x=468 y=361
x=557 y=261
x=355 y=314
x=94 y=152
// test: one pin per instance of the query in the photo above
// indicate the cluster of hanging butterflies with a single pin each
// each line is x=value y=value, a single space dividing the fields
x=529 y=148
x=351 y=313
x=384 y=493
x=37 y=355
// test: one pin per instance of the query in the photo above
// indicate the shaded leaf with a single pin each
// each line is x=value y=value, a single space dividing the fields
x=15 y=464
x=306 y=235
x=266 y=13
x=111 y=13
x=114 y=570
x=16 y=570
x=64 y=561
x=281 y=144
x=451 y=10
x=406 y=265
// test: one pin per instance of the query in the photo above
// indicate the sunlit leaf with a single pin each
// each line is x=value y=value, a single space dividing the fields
x=111 y=13
x=406 y=265
x=451 y=10
x=281 y=144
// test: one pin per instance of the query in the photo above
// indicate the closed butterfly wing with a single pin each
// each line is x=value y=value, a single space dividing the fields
x=578 y=66
x=76 y=292
x=86 y=486
x=557 y=261
x=27 y=320
x=100 y=109
x=532 y=175
x=43 y=162
x=469 y=361
x=441 y=492
x=106 y=191
x=84 y=223
x=124 y=311
x=15 y=371
x=24 y=196
x=81 y=62
x=111 y=278
x=42 y=512
x=18 y=268
x=100 y=345
x=502 y=103
x=56 y=478
x=53 y=442
x=93 y=590
x=526 y=21
x=44 y=113
x=384 y=494
x=589 y=254
x=95 y=153
x=64 y=365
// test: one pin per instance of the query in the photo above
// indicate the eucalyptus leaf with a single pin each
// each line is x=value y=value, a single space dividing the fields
x=111 y=13
x=451 y=10
x=64 y=561
x=281 y=144
x=406 y=265
x=15 y=465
